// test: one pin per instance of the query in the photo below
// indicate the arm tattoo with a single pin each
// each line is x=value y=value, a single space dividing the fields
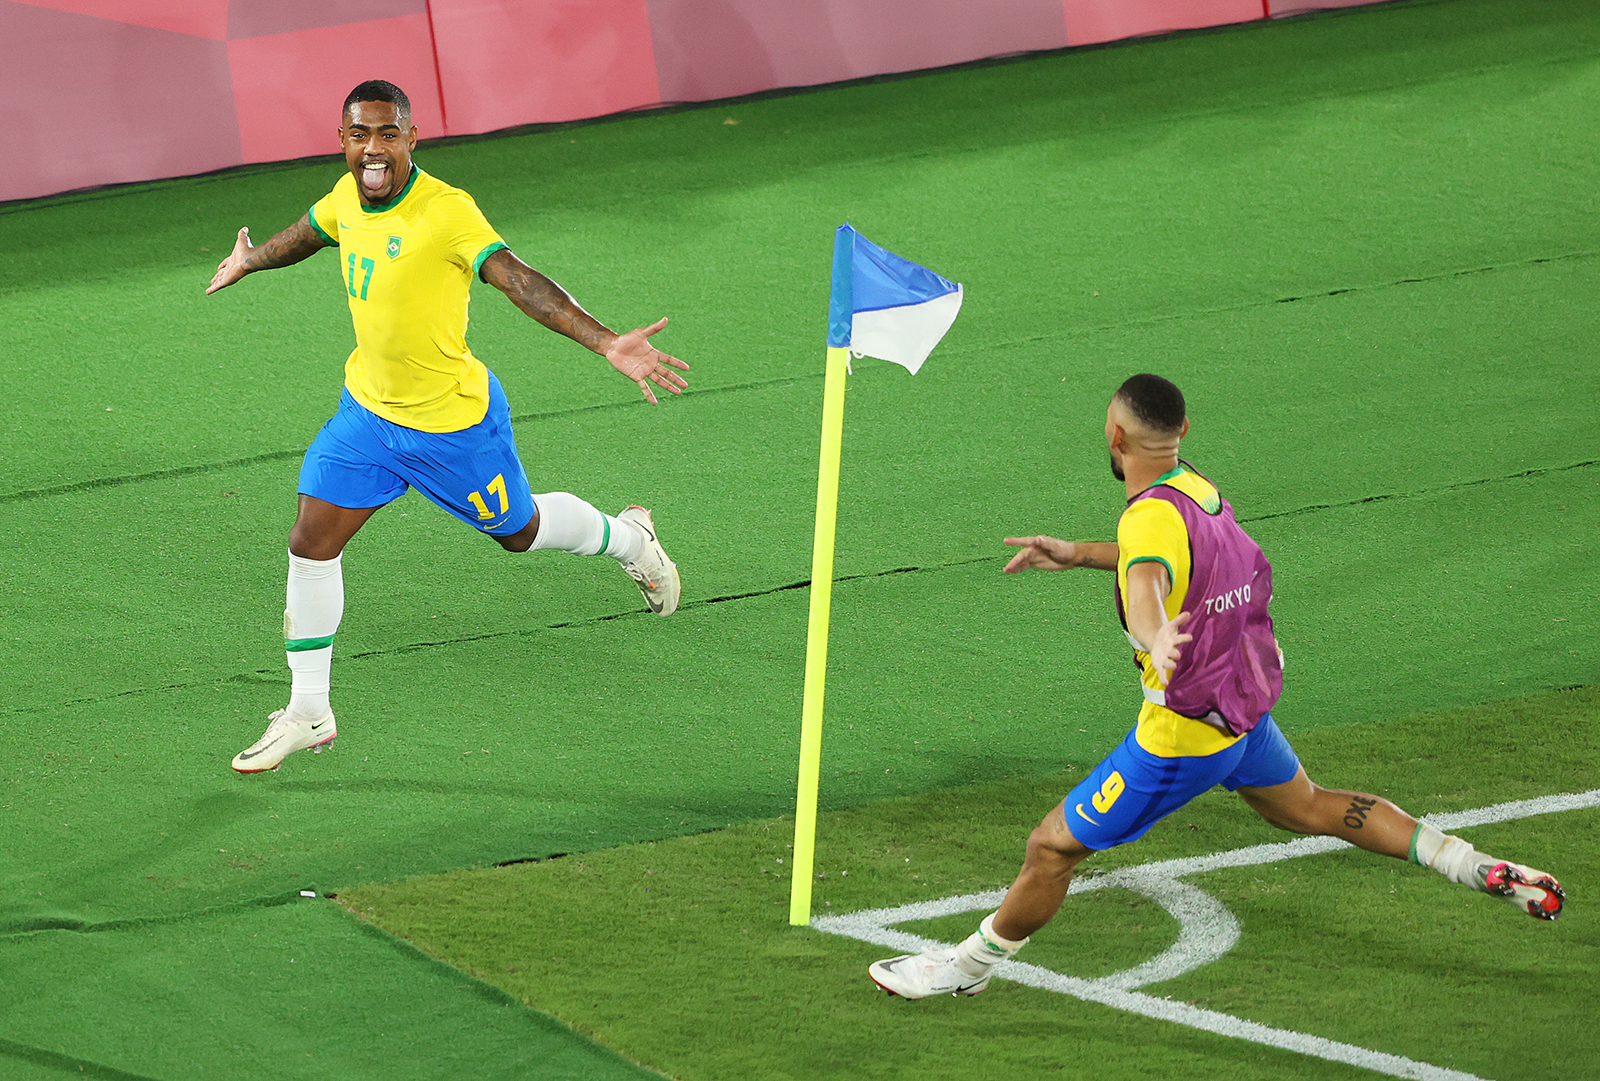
x=1092 y=560
x=544 y=301
x=293 y=244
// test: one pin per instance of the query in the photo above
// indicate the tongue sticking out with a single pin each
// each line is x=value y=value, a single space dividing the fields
x=373 y=177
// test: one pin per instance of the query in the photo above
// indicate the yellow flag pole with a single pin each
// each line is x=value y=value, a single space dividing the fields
x=805 y=808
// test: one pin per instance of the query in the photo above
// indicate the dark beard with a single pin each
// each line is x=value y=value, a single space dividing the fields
x=1116 y=470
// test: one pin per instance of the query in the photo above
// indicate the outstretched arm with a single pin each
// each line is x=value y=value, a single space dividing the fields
x=1049 y=554
x=546 y=302
x=286 y=248
x=1148 y=586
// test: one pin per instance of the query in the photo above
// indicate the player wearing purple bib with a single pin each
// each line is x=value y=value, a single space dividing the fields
x=418 y=409
x=1192 y=592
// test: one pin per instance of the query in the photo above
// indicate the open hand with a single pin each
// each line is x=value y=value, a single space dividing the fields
x=232 y=268
x=1041 y=553
x=1164 y=652
x=634 y=356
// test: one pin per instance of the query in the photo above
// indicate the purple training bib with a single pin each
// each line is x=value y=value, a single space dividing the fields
x=1233 y=668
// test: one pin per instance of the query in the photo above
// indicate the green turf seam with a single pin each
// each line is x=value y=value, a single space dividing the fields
x=522 y=632
x=137 y=478
x=632 y=613
x=86 y=1068
x=270 y=676
x=46 y=924
x=482 y=988
x=1256 y=305
x=987 y=347
x=1445 y=275
x=1458 y=486
x=266 y=675
x=77 y=1067
x=259 y=675
x=280 y=455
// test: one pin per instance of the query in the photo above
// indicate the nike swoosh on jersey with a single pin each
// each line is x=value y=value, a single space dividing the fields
x=1086 y=818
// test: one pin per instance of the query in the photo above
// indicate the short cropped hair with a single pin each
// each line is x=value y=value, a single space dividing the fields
x=380 y=90
x=1155 y=401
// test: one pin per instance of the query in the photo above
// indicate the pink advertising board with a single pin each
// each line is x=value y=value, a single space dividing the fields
x=111 y=91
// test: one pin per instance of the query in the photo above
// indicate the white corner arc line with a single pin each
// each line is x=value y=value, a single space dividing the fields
x=1159 y=881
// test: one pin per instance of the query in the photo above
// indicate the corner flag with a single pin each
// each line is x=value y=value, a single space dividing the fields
x=880 y=306
x=884 y=306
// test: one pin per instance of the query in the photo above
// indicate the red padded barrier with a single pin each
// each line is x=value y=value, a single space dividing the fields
x=261 y=18
x=288 y=87
x=155 y=88
x=1092 y=21
x=198 y=18
x=708 y=49
x=506 y=62
x=88 y=101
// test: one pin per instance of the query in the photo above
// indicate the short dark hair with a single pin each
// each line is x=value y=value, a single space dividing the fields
x=380 y=90
x=1155 y=401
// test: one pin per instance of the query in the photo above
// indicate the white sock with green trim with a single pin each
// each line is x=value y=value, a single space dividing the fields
x=983 y=949
x=1450 y=856
x=570 y=524
x=315 y=607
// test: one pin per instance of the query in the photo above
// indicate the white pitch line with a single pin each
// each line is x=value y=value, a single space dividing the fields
x=1207 y=930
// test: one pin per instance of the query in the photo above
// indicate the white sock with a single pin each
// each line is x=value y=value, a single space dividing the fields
x=315 y=606
x=571 y=525
x=1450 y=856
x=983 y=949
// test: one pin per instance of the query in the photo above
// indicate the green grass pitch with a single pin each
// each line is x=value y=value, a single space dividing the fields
x=1363 y=243
x=709 y=981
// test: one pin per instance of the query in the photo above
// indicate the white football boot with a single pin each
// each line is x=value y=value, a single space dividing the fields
x=1533 y=892
x=924 y=974
x=655 y=574
x=286 y=734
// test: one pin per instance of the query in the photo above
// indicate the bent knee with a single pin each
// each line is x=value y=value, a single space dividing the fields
x=1051 y=846
x=515 y=543
x=1041 y=841
x=310 y=547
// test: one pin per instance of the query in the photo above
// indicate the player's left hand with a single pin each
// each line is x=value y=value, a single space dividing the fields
x=634 y=356
x=1164 y=652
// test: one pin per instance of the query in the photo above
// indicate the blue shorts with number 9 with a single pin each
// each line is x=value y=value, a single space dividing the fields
x=1132 y=789
x=361 y=460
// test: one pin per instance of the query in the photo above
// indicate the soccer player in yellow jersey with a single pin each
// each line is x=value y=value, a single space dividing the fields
x=418 y=409
x=1192 y=593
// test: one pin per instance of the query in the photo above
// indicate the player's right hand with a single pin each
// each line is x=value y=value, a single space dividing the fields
x=634 y=356
x=1164 y=651
x=233 y=267
x=1041 y=553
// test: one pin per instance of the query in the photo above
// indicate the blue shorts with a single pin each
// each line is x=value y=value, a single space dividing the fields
x=361 y=460
x=1132 y=789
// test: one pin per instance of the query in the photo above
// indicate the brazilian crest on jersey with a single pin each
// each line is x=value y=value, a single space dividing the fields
x=411 y=364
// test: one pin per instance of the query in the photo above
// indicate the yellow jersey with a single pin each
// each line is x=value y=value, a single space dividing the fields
x=1152 y=530
x=408 y=266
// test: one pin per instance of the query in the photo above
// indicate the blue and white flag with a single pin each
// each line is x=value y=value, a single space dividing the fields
x=884 y=306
